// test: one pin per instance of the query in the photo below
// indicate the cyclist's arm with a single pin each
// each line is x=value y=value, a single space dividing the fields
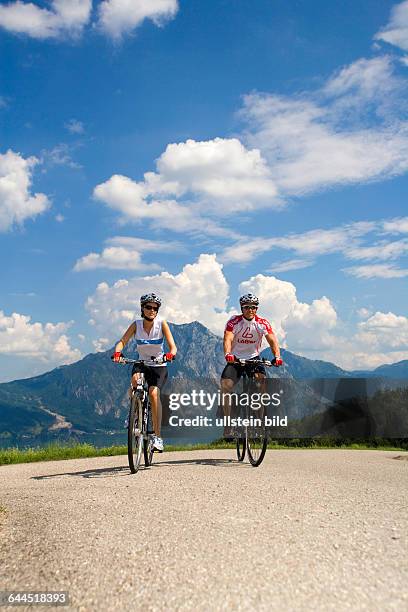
x=169 y=338
x=228 y=338
x=273 y=343
x=125 y=338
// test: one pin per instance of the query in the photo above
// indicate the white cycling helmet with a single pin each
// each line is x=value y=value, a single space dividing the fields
x=248 y=298
x=150 y=297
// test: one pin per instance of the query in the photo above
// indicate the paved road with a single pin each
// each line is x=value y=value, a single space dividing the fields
x=308 y=530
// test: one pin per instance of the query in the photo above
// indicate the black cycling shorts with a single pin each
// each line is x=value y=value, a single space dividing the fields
x=234 y=371
x=156 y=376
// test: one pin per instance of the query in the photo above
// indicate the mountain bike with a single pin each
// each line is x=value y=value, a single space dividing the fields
x=140 y=419
x=255 y=440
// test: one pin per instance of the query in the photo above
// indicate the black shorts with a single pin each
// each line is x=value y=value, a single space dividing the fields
x=156 y=376
x=234 y=371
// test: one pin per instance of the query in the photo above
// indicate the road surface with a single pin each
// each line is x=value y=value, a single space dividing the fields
x=308 y=530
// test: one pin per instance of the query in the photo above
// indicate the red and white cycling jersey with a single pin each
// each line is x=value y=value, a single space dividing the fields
x=247 y=335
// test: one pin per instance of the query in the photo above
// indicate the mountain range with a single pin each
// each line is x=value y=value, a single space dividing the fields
x=90 y=396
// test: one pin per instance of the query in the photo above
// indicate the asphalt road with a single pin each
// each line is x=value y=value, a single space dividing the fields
x=308 y=530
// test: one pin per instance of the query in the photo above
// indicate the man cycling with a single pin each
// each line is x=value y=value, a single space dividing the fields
x=242 y=340
x=150 y=332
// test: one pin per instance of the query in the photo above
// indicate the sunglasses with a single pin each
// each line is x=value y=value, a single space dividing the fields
x=250 y=307
x=155 y=308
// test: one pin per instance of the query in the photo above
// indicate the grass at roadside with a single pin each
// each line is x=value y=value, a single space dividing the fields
x=55 y=452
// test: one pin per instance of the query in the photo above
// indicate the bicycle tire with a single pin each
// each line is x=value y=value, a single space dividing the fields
x=135 y=434
x=241 y=448
x=256 y=449
x=148 y=452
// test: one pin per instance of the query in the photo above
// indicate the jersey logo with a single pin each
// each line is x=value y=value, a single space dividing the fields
x=247 y=333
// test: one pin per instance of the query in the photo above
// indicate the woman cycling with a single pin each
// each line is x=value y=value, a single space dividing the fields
x=150 y=332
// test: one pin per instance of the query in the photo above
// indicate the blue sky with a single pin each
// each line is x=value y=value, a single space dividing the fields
x=202 y=150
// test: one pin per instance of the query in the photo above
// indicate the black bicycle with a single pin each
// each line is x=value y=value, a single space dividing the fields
x=254 y=440
x=140 y=416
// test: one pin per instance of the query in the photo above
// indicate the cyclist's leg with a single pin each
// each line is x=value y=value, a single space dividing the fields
x=136 y=371
x=229 y=378
x=156 y=378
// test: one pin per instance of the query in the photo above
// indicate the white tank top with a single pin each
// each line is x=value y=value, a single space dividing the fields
x=150 y=345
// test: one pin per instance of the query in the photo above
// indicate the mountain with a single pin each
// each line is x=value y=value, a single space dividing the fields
x=90 y=396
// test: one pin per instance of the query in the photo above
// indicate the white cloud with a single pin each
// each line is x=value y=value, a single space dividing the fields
x=198 y=293
x=119 y=17
x=65 y=17
x=220 y=171
x=74 y=126
x=397 y=225
x=346 y=240
x=196 y=183
x=352 y=130
x=380 y=250
x=376 y=271
x=290 y=264
x=16 y=201
x=124 y=253
x=59 y=218
x=311 y=243
x=60 y=155
x=47 y=342
x=396 y=31
x=385 y=331
x=300 y=326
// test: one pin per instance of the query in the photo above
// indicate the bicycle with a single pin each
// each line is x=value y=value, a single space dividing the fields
x=139 y=436
x=255 y=441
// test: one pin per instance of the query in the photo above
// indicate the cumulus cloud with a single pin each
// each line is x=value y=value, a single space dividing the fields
x=200 y=292
x=195 y=183
x=119 y=17
x=17 y=203
x=48 y=342
x=396 y=31
x=124 y=253
x=384 y=332
x=299 y=326
x=65 y=18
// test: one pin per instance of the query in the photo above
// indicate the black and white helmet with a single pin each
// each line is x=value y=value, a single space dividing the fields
x=150 y=297
x=248 y=298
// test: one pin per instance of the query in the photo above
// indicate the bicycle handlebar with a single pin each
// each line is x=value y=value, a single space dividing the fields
x=265 y=362
x=126 y=360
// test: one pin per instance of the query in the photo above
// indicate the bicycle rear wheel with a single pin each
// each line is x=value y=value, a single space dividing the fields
x=241 y=448
x=256 y=447
x=148 y=452
x=135 y=434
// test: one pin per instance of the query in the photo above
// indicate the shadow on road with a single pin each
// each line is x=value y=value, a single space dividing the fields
x=95 y=473
x=124 y=470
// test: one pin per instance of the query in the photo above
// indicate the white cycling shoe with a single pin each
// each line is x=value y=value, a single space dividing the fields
x=157 y=443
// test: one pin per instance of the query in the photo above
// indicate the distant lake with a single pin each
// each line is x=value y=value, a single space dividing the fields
x=117 y=438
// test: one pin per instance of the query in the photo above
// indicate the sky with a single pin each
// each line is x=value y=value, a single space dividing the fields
x=202 y=150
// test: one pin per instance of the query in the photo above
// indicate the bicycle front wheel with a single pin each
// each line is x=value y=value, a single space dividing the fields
x=256 y=447
x=135 y=434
